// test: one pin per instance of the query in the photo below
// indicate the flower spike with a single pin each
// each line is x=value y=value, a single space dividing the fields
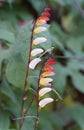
x=34 y=60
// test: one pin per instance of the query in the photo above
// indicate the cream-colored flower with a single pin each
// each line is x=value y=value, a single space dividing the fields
x=37 y=51
x=43 y=91
x=45 y=101
x=39 y=40
x=46 y=81
x=39 y=29
x=34 y=62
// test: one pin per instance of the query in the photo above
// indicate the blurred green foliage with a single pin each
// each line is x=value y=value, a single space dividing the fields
x=66 y=34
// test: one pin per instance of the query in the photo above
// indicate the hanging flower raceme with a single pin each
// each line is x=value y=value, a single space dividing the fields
x=46 y=82
x=38 y=28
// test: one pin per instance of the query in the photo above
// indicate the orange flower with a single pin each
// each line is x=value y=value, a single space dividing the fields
x=44 y=18
x=47 y=73
x=40 y=22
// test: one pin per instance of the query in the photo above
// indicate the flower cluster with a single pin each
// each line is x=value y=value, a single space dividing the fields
x=46 y=82
x=38 y=40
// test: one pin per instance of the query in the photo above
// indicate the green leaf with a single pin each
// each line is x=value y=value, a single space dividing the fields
x=29 y=123
x=4 y=120
x=73 y=67
x=78 y=81
x=38 y=5
x=15 y=72
x=22 y=43
x=6 y=89
x=77 y=113
x=7 y=35
x=59 y=80
x=75 y=44
x=4 y=54
x=67 y=2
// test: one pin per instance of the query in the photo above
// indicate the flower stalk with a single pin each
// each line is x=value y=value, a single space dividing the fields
x=37 y=28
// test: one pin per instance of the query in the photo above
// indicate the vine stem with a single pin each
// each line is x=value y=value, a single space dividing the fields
x=37 y=113
x=79 y=7
x=70 y=57
x=26 y=80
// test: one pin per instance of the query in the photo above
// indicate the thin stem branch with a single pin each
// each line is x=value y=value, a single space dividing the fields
x=79 y=7
x=70 y=57
x=26 y=80
x=29 y=104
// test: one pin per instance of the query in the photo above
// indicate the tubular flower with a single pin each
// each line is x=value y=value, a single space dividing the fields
x=43 y=91
x=45 y=101
x=46 y=13
x=45 y=18
x=38 y=39
x=48 y=73
x=40 y=22
x=34 y=62
x=51 y=61
x=39 y=29
x=47 y=67
x=37 y=51
x=46 y=81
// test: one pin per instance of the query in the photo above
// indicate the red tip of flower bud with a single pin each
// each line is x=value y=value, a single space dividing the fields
x=47 y=8
x=47 y=67
x=51 y=61
x=46 y=13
